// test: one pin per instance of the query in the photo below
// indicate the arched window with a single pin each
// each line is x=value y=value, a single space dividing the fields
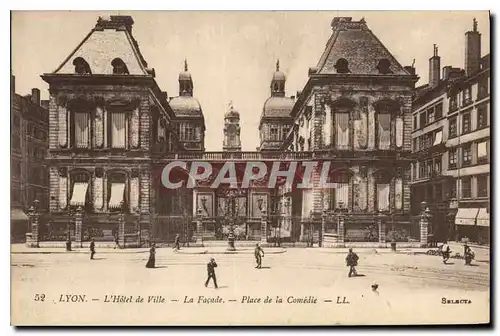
x=119 y=67
x=383 y=66
x=341 y=194
x=382 y=189
x=342 y=66
x=81 y=66
x=79 y=190
x=117 y=191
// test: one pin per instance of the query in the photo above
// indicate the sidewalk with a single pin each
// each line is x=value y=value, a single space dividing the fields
x=223 y=250
x=23 y=249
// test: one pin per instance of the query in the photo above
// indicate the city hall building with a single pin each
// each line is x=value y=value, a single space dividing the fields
x=112 y=131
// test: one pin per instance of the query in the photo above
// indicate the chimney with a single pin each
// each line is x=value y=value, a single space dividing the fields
x=410 y=69
x=35 y=96
x=450 y=73
x=12 y=83
x=434 y=68
x=472 y=50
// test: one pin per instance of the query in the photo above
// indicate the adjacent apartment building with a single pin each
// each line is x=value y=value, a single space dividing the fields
x=29 y=179
x=451 y=145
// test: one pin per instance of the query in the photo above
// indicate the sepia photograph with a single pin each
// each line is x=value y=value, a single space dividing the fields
x=250 y=168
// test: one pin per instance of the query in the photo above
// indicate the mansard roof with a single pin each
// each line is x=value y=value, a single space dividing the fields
x=354 y=42
x=110 y=39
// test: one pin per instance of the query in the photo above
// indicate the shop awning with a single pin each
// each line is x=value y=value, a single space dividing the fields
x=17 y=214
x=79 y=193
x=466 y=216
x=483 y=217
x=117 y=190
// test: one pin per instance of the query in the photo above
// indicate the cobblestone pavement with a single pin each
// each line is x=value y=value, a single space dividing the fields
x=410 y=289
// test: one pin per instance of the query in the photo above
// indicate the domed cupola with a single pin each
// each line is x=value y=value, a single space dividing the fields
x=185 y=82
x=278 y=82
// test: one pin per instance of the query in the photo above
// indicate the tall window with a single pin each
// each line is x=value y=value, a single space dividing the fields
x=482 y=89
x=467 y=96
x=415 y=145
x=438 y=114
x=274 y=134
x=421 y=169
x=423 y=119
x=117 y=191
x=285 y=132
x=452 y=158
x=482 y=117
x=453 y=103
x=189 y=132
x=81 y=129
x=384 y=130
x=415 y=121
x=453 y=188
x=437 y=166
x=482 y=186
x=118 y=130
x=341 y=194
x=482 y=152
x=383 y=180
x=452 y=128
x=342 y=129
x=430 y=115
x=79 y=190
x=466 y=187
x=466 y=155
x=466 y=126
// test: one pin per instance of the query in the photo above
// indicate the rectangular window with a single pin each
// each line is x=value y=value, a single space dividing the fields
x=452 y=128
x=430 y=115
x=81 y=130
x=414 y=171
x=453 y=188
x=482 y=89
x=453 y=103
x=482 y=186
x=383 y=196
x=438 y=112
x=438 y=138
x=421 y=142
x=466 y=155
x=274 y=134
x=342 y=130
x=466 y=127
x=384 y=131
x=482 y=152
x=285 y=132
x=467 y=97
x=423 y=119
x=415 y=145
x=437 y=166
x=482 y=117
x=415 y=119
x=466 y=187
x=452 y=158
x=118 y=130
x=421 y=169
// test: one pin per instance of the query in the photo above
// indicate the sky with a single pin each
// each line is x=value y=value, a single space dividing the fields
x=232 y=55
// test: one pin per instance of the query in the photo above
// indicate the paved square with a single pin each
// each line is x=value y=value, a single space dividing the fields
x=312 y=284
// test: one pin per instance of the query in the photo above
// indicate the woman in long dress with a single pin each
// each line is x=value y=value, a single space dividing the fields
x=151 y=260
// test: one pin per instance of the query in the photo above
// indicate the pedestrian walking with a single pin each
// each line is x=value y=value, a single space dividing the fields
x=259 y=254
x=177 y=245
x=211 y=272
x=117 y=241
x=151 y=261
x=446 y=251
x=92 y=248
x=352 y=261
x=468 y=255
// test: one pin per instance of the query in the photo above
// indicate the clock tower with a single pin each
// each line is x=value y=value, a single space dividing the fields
x=232 y=141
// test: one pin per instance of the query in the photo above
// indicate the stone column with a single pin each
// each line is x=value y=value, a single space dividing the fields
x=424 y=223
x=381 y=227
x=199 y=227
x=121 y=228
x=34 y=216
x=78 y=226
x=340 y=227
x=324 y=216
x=263 y=227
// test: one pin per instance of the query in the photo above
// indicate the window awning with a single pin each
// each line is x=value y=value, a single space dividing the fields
x=117 y=190
x=79 y=193
x=481 y=149
x=483 y=217
x=466 y=216
x=438 y=139
x=17 y=214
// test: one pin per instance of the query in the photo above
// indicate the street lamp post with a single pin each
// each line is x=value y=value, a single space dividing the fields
x=229 y=216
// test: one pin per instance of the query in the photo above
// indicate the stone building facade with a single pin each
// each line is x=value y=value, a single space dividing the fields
x=29 y=143
x=451 y=145
x=355 y=112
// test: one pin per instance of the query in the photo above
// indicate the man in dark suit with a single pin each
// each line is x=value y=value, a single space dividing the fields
x=211 y=272
x=352 y=261
x=92 y=248
x=259 y=253
x=177 y=245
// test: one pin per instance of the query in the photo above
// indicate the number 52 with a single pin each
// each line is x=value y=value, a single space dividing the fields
x=39 y=297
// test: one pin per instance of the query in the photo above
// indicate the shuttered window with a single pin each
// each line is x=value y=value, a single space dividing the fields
x=118 y=130
x=81 y=130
